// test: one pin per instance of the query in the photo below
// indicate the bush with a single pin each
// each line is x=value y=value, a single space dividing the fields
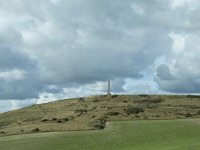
x=54 y=119
x=198 y=112
x=96 y=100
x=65 y=119
x=193 y=96
x=152 y=105
x=59 y=121
x=113 y=113
x=143 y=95
x=137 y=116
x=80 y=110
x=36 y=130
x=81 y=99
x=114 y=96
x=98 y=124
x=44 y=120
x=134 y=110
x=157 y=100
x=188 y=115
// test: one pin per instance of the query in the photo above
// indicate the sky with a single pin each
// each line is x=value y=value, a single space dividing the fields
x=56 y=49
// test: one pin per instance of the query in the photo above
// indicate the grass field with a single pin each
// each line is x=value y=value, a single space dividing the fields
x=122 y=135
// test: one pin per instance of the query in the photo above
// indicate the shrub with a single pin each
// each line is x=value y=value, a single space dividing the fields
x=193 y=96
x=152 y=105
x=66 y=119
x=81 y=99
x=156 y=100
x=44 y=120
x=143 y=95
x=134 y=110
x=54 y=119
x=114 y=96
x=59 y=121
x=188 y=115
x=80 y=110
x=198 y=112
x=98 y=124
x=96 y=100
x=113 y=113
x=36 y=130
x=137 y=116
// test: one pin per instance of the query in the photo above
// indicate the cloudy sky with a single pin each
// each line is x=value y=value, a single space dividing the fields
x=55 y=49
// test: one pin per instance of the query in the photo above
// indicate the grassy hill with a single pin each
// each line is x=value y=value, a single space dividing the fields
x=92 y=113
x=119 y=135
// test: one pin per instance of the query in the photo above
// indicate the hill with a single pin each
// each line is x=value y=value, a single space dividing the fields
x=120 y=135
x=90 y=113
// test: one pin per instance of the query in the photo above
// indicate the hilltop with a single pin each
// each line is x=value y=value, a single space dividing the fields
x=91 y=113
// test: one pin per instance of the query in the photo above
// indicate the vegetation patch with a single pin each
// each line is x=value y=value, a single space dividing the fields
x=36 y=130
x=113 y=113
x=96 y=100
x=81 y=110
x=59 y=121
x=152 y=105
x=197 y=113
x=143 y=95
x=114 y=96
x=155 y=100
x=44 y=120
x=193 y=96
x=98 y=124
x=54 y=119
x=81 y=99
x=134 y=110
x=188 y=115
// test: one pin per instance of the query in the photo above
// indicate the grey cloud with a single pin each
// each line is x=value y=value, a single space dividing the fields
x=85 y=41
x=14 y=59
x=97 y=42
x=164 y=73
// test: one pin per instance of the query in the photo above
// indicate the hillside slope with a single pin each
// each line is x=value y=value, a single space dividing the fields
x=118 y=135
x=91 y=113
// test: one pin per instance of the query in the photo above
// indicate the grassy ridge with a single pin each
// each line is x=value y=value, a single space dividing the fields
x=126 y=135
x=93 y=112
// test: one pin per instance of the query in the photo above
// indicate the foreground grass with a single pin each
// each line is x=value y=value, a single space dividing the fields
x=127 y=135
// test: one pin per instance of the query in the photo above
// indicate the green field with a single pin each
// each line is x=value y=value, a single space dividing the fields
x=123 y=135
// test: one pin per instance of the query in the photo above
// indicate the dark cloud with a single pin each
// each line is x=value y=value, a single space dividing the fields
x=14 y=59
x=164 y=73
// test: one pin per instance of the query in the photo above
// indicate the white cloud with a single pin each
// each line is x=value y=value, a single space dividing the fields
x=181 y=3
x=13 y=75
x=178 y=46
